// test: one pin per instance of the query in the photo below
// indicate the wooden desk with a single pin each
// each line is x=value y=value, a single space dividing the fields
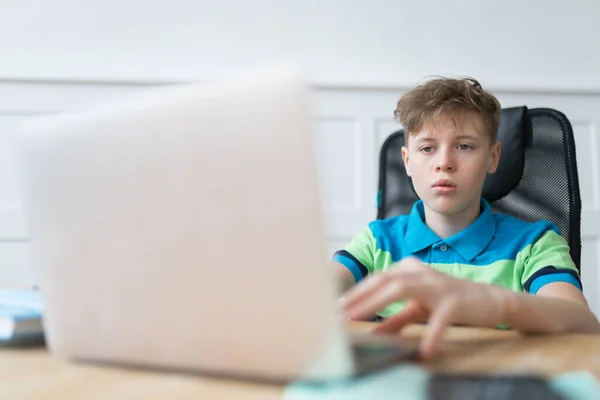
x=34 y=374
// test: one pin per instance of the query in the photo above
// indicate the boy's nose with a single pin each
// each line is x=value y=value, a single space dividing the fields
x=445 y=162
x=445 y=167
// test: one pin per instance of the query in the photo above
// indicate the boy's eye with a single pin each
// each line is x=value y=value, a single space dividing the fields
x=464 y=147
x=427 y=149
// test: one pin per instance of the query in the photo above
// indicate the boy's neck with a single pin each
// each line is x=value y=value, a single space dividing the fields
x=447 y=225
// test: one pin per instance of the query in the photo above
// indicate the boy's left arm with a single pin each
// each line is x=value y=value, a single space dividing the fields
x=550 y=273
x=562 y=290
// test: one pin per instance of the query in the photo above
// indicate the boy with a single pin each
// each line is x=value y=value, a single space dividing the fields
x=451 y=260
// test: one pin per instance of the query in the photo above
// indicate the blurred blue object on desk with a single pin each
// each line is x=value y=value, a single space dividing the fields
x=21 y=312
x=411 y=382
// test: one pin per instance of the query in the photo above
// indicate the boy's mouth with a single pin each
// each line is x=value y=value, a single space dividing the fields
x=444 y=186
x=444 y=183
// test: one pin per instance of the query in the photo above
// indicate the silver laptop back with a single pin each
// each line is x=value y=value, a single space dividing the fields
x=182 y=229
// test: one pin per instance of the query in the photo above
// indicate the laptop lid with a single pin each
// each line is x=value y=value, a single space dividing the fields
x=182 y=229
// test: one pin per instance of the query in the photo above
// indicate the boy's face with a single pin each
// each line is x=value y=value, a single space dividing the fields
x=448 y=163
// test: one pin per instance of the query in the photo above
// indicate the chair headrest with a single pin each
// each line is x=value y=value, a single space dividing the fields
x=514 y=135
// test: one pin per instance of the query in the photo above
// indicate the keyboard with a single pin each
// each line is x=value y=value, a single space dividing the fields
x=377 y=351
x=488 y=387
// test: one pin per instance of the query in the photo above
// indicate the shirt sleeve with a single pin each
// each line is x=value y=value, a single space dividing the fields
x=549 y=261
x=359 y=255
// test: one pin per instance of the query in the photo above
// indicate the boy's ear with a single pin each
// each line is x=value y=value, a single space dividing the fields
x=495 y=159
x=405 y=159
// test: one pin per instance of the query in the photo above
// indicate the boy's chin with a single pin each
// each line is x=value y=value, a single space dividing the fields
x=446 y=205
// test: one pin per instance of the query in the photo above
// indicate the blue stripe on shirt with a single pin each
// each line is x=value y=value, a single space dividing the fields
x=549 y=278
x=351 y=265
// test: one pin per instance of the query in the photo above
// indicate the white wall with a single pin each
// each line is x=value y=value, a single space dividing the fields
x=56 y=55
x=514 y=44
x=351 y=126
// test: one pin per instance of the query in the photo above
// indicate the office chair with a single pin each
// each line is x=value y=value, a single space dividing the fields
x=536 y=176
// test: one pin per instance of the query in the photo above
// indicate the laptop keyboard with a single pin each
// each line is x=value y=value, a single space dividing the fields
x=372 y=352
x=458 y=387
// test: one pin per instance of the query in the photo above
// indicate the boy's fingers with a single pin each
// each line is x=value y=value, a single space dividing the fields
x=387 y=291
x=360 y=290
x=439 y=320
x=413 y=312
x=411 y=266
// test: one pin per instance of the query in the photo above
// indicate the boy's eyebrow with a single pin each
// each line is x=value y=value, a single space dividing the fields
x=431 y=138
x=424 y=137
x=467 y=136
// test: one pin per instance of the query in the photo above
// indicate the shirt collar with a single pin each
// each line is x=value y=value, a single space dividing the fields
x=418 y=235
x=469 y=243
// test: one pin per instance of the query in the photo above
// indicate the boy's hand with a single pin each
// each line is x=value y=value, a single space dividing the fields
x=433 y=296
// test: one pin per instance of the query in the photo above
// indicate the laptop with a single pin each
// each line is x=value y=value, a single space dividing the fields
x=182 y=229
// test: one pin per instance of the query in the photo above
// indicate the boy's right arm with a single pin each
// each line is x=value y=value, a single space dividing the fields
x=343 y=276
x=356 y=260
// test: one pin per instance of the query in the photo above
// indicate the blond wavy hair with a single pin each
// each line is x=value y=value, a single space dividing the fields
x=452 y=98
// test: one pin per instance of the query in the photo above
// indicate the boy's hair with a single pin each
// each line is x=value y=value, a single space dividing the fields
x=448 y=97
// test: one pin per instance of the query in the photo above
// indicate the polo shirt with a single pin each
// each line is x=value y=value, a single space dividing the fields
x=496 y=249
